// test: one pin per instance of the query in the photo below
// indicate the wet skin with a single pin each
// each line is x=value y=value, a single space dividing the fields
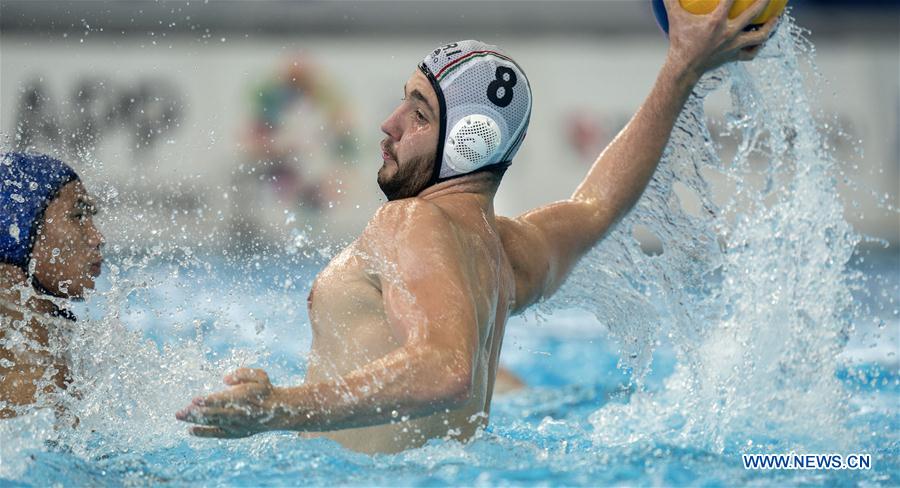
x=363 y=311
x=380 y=307
x=408 y=320
x=67 y=251
x=67 y=258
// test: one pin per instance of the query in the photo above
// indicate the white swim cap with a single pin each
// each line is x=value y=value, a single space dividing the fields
x=485 y=106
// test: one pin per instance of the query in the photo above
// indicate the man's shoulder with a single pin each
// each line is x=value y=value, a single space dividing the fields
x=413 y=225
x=399 y=216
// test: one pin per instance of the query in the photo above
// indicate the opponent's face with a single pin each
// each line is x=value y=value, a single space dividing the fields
x=67 y=248
x=409 y=149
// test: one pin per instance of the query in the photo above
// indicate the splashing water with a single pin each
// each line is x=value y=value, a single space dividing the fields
x=124 y=386
x=753 y=294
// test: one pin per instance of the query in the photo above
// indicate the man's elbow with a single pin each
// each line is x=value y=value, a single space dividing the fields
x=451 y=387
x=459 y=387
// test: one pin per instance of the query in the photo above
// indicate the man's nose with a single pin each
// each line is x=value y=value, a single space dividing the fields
x=96 y=237
x=391 y=126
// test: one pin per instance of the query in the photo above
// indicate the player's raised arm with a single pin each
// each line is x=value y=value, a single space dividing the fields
x=544 y=244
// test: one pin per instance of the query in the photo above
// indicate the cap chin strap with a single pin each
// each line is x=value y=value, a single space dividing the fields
x=43 y=290
x=37 y=286
x=442 y=127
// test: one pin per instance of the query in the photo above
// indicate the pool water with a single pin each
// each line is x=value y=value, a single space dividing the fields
x=541 y=435
x=766 y=325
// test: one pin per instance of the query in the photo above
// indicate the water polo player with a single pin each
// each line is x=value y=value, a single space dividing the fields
x=408 y=320
x=50 y=252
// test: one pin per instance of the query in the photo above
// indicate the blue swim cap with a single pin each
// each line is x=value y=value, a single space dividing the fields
x=28 y=183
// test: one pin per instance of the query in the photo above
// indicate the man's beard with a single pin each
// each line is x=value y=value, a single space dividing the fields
x=408 y=182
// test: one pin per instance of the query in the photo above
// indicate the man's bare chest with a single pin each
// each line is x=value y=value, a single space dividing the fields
x=346 y=312
x=347 y=287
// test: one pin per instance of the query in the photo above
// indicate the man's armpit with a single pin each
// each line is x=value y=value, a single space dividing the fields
x=529 y=258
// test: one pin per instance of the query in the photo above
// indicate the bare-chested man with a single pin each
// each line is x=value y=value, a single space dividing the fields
x=408 y=320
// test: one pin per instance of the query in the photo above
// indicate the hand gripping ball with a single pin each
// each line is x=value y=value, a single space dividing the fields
x=701 y=7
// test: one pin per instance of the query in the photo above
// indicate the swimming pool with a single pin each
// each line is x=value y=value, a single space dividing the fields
x=767 y=344
x=541 y=435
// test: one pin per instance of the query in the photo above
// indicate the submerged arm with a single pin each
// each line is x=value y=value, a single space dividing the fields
x=548 y=241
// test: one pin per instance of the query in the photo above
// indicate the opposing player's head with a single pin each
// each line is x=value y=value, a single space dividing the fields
x=46 y=225
x=465 y=109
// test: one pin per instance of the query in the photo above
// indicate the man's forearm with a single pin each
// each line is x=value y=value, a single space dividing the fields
x=618 y=177
x=411 y=382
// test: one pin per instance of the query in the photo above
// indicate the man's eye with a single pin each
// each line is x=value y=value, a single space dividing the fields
x=421 y=116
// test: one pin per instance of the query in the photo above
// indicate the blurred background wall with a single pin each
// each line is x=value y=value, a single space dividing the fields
x=228 y=125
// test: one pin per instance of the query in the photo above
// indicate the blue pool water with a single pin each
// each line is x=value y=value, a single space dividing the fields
x=541 y=435
x=765 y=326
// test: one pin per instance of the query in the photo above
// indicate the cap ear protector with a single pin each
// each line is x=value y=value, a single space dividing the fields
x=484 y=101
x=472 y=143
